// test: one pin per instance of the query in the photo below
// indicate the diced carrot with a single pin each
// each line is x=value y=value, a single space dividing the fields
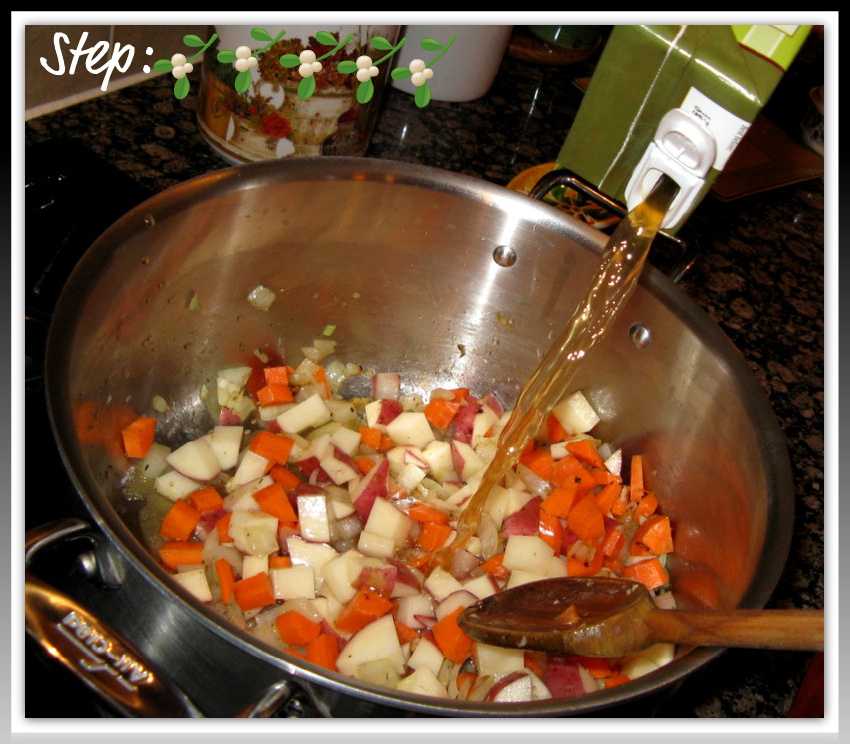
x=586 y=519
x=551 y=530
x=180 y=521
x=386 y=443
x=182 y=553
x=636 y=479
x=619 y=679
x=536 y=662
x=279 y=561
x=296 y=629
x=422 y=512
x=433 y=535
x=226 y=579
x=539 y=461
x=370 y=437
x=597 y=668
x=274 y=447
x=648 y=572
x=362 y=609
x=323 y=651
x=273 y=500
x=555 y=430
x=364 y=464
x=322 y=378
x=586 y=451
x=254 y=592
x=441 y=412
x=589 y=566
x=559 y=501
x=607 y=495
x=206 y=500
x=273 y=395
x=460 y=394
x=138 y=437
x=223 y=525
x=647 y=504
x=603 y=476
x=653 y=537
x=101 y=424
x=277 y=375
x=613 y=542
x=495 y=567
x=405 y=633
x=450 y=638
x=283 y=475
x=569 y=471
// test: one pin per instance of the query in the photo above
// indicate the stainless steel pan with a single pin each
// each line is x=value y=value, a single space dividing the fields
x=446 y=279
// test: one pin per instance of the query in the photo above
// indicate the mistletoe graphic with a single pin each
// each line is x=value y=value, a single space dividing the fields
x=364 y=69
x=420 y=73
x=180 y=67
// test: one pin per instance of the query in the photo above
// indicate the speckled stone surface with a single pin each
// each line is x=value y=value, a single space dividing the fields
x=759 y=276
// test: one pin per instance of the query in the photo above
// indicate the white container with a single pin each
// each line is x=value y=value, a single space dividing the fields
x=467 y=70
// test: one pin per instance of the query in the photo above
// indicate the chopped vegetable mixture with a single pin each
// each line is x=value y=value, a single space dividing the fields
x=309 y=520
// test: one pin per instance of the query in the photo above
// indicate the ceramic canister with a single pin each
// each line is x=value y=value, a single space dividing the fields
x=276 y=112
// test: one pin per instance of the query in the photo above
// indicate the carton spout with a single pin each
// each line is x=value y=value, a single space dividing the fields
x=683 y=150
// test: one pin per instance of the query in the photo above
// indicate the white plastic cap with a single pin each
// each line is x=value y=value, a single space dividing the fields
x=685 y=150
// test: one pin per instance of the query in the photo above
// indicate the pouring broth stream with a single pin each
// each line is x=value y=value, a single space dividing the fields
x=616 y=278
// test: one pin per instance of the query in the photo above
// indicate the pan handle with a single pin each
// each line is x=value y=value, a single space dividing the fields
x=558 y=177
x=105 y=662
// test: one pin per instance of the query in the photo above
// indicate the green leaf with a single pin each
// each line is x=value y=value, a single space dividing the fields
x=181 y=88
x=401 y=73
x=260 y=34
x=306 y=87
x=193 y=41
x=326 y=38
x=290 y=60
x=430 y=45
x=163 y=65
x=243 y=81
x=347 y=66
x=422 y=95
x=365 y=91
x=226 y=56
x=379 y=42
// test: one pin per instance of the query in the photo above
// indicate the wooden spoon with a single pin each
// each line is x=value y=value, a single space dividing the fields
x=608 y=617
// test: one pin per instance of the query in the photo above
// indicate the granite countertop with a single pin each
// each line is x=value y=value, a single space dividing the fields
x=759 y=275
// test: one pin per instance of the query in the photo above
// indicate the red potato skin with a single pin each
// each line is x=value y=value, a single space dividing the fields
x=526 y=521
x=375 y=484
x=562 y=677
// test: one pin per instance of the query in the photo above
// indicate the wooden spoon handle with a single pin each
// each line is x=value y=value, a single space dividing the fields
x=800 y=630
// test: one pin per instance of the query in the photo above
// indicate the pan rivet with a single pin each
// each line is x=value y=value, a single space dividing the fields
x=504 y=256
x=640 y=335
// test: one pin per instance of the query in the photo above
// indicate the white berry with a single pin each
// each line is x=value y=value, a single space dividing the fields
x=187 y=68
x=179 y=72
x=305 y=70
x=308 y=56
x=364 y=62
x=242 y=64
x=363 y=75
x=178 y=60
x=417 y=78
x=243 y=52
x=417 y=65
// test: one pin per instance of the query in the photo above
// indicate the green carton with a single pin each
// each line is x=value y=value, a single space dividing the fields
x=716 y=78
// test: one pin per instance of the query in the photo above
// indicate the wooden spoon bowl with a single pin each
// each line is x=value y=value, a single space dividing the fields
x=608 y=617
